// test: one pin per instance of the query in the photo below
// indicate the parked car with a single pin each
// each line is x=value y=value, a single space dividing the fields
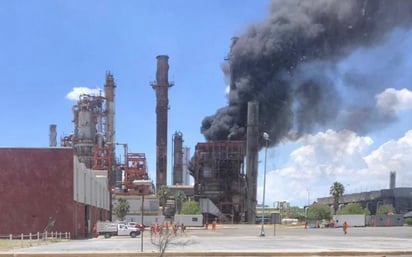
x=139 y=226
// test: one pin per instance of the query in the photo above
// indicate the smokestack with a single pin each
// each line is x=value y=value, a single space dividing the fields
x=392 y=180
x=252 y=160
x=186 y=163
x=161 y=86
x=52 y=135
x=177 y=158
x=109 y=87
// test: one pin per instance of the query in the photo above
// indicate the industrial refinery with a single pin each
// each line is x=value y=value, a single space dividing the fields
x=286 y=78
x=95 y=177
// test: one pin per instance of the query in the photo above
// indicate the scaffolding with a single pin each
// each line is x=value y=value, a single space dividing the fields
x=219 y=175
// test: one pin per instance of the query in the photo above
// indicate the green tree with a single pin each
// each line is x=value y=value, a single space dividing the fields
x=180 y=196
x=408 y=221
x=354 y=208
x=385 y=209
x=336 y=190
x=122 y=208
x=319 y=211
x=294 y=212
x=163 y=194
x=190 y=207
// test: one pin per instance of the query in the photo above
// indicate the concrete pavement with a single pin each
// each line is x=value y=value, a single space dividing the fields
x=243 y=240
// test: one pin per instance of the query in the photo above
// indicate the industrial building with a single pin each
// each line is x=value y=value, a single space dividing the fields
x=399 y=197
x=50 y=189
x=219 y=177
x=68 y=188
x=65 y=188
x=72 y=186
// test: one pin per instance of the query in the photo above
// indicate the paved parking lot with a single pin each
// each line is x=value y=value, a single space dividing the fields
x=244 y=240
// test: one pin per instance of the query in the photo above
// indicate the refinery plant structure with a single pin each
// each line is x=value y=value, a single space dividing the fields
x=94 y=178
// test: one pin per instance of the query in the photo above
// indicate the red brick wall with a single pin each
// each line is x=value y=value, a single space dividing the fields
x=37 y=183
x=80 y=226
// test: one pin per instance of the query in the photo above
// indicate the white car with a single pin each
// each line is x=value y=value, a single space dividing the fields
x=139 y=226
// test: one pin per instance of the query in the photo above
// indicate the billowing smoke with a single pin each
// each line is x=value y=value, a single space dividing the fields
x=288 y=64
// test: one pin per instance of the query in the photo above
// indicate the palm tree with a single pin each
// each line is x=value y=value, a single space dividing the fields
x=163 y=194
x=336 y=190
x=180 y=196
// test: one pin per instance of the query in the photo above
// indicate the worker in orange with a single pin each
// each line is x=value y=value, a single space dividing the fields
x=95 y=230
x=345 y=227
x=175 y=228
x=214 y=224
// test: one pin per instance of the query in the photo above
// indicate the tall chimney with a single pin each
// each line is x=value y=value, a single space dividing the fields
x=109 y=87
x=161 y=86
x=186 y=161
x=52 y=135
x=177 y=158
x=392 y=180
x=252 y=137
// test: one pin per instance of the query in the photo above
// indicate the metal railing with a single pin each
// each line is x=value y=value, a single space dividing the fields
x=11 y=241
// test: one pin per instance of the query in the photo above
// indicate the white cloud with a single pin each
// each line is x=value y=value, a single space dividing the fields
x=341 y=156
x=77 y=91
x=394 y=100
x=394 y=155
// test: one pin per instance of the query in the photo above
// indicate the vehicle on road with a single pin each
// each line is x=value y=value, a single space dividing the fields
x=108 y=229
x=136 y=225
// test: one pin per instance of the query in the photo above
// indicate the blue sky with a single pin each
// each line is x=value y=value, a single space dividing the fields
x=51 y=47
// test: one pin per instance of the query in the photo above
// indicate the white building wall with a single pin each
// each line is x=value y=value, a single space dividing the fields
x=90 y=187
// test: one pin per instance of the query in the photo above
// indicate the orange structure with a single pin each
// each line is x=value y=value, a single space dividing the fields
x=134 y=169
x=102 y=158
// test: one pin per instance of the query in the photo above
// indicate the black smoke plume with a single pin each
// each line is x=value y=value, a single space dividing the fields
x=285 y=64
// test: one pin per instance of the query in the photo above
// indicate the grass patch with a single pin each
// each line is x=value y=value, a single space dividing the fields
x=7 y=244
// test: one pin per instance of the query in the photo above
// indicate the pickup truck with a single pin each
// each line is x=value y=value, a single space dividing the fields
x=109 y=229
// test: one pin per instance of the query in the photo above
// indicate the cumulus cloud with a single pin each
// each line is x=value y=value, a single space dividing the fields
x=343 y=156
x=393 y=155
x=77 y=91
x=392 y=100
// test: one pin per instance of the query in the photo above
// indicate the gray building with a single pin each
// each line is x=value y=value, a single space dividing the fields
x=400 y=198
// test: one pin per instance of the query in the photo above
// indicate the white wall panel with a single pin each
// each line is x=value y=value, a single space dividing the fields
x=88 y=188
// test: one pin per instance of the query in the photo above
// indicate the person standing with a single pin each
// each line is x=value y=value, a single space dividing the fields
x=214 y=224
x=345 y=227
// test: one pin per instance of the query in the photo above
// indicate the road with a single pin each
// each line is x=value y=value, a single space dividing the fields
x=244 y=240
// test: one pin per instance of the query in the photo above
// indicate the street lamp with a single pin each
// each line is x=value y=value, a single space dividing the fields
x=143 y=186
x=262 y=229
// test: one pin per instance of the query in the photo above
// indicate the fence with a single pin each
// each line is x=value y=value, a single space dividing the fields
x=19 y=241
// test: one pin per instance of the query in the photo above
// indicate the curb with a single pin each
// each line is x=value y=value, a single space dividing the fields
x=215 y=254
